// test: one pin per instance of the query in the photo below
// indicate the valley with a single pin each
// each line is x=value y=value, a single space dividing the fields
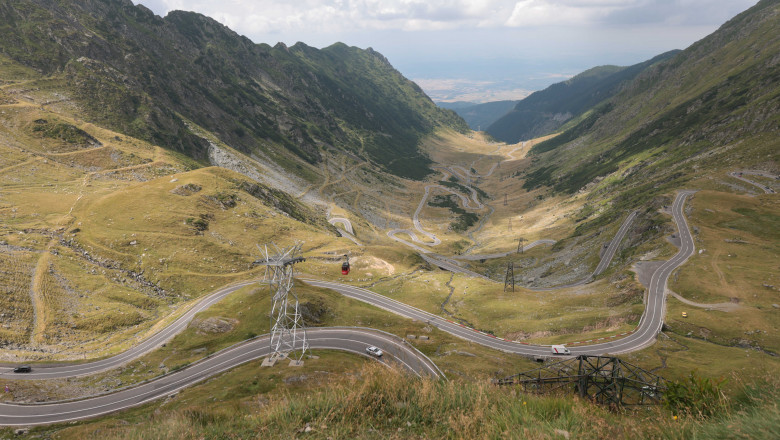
x=132 y=220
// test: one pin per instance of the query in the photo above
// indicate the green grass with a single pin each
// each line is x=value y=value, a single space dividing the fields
x=381 y=403
x=737 y=239
x=764 y=225
x=464 y=219
x=540 y=317
x=124 y=256
x=64 y=132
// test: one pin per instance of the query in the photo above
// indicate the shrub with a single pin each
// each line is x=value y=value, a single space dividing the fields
x=697 y=396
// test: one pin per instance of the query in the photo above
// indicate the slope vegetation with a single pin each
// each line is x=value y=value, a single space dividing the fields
x=545 y=111
x=103 y=235
x=144 y=76
x=710 y=108
x=481 y=116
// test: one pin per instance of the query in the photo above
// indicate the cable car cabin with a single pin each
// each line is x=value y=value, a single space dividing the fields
x=345 y=268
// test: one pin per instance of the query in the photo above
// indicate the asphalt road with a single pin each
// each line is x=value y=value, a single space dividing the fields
x=344 y=221
x=145 y=346
x=448 y=264
x=443 y=263
x=347 y=232
x=649 y=325
x=739 y=175
x=606 y=258
x=613 y=245
x=350 y=339
x=435 y=241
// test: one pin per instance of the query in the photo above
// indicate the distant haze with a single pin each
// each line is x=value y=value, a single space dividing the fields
x=478 y=50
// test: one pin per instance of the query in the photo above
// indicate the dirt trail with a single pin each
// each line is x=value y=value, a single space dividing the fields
x=37 y=295
x=644 y=271
x=343 y=176
x=723 y=307
x=304 y=192
x=129 y=168
x=717 y=270
x=20 y=164
x=77 y=152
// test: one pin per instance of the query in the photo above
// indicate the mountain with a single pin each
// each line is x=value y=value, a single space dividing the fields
x=480 y=116
x=149 y=77
x=455 y=105
x=713 y=107
x=545 y=111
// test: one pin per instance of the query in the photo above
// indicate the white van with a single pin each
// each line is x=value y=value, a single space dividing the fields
x=560 y=349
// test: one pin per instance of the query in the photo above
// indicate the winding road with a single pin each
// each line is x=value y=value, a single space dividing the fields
x=435 y=241
x=354 y=340
x=347 y=339
x=347 y=232
x=344 y=221
x=448 y=263
x=465 y=202
x=606 y=257
x=650 y=323
x=72 y=370
x=765 y=188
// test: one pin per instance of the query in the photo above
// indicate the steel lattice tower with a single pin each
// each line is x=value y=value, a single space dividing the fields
x=288 y=332
x=509 y=278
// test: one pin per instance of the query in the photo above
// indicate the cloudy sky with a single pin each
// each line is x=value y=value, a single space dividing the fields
x=478 y=49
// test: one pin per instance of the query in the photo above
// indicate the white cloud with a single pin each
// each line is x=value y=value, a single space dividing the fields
x=558 y=13
x=507 y=40
x=326 y=16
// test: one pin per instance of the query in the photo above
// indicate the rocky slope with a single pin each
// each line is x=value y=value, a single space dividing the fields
x=146 y=76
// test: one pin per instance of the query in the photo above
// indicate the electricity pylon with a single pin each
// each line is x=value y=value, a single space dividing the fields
x=509 y=278
x=288 y=332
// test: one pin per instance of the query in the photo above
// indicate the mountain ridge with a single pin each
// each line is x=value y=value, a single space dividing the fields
x=482 y=114
x=153 y=72
x=677 y=113
x=545 y=111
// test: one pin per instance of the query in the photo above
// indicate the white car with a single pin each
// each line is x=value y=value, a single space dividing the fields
x=374 y=351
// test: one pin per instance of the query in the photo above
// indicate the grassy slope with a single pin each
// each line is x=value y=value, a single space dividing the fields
x=146 y=76
x=113 y=191
x=739 y=243
x=247 y=385
x=546 y=111
x=687 y=114
x=101 y=242
x=378 y=403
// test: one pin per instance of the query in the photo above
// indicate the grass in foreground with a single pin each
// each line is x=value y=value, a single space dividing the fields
x=380 y=403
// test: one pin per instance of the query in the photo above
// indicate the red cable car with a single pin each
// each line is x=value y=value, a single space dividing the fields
x=345 y=266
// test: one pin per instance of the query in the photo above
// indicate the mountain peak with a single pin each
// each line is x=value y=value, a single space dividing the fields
x=191 y=67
